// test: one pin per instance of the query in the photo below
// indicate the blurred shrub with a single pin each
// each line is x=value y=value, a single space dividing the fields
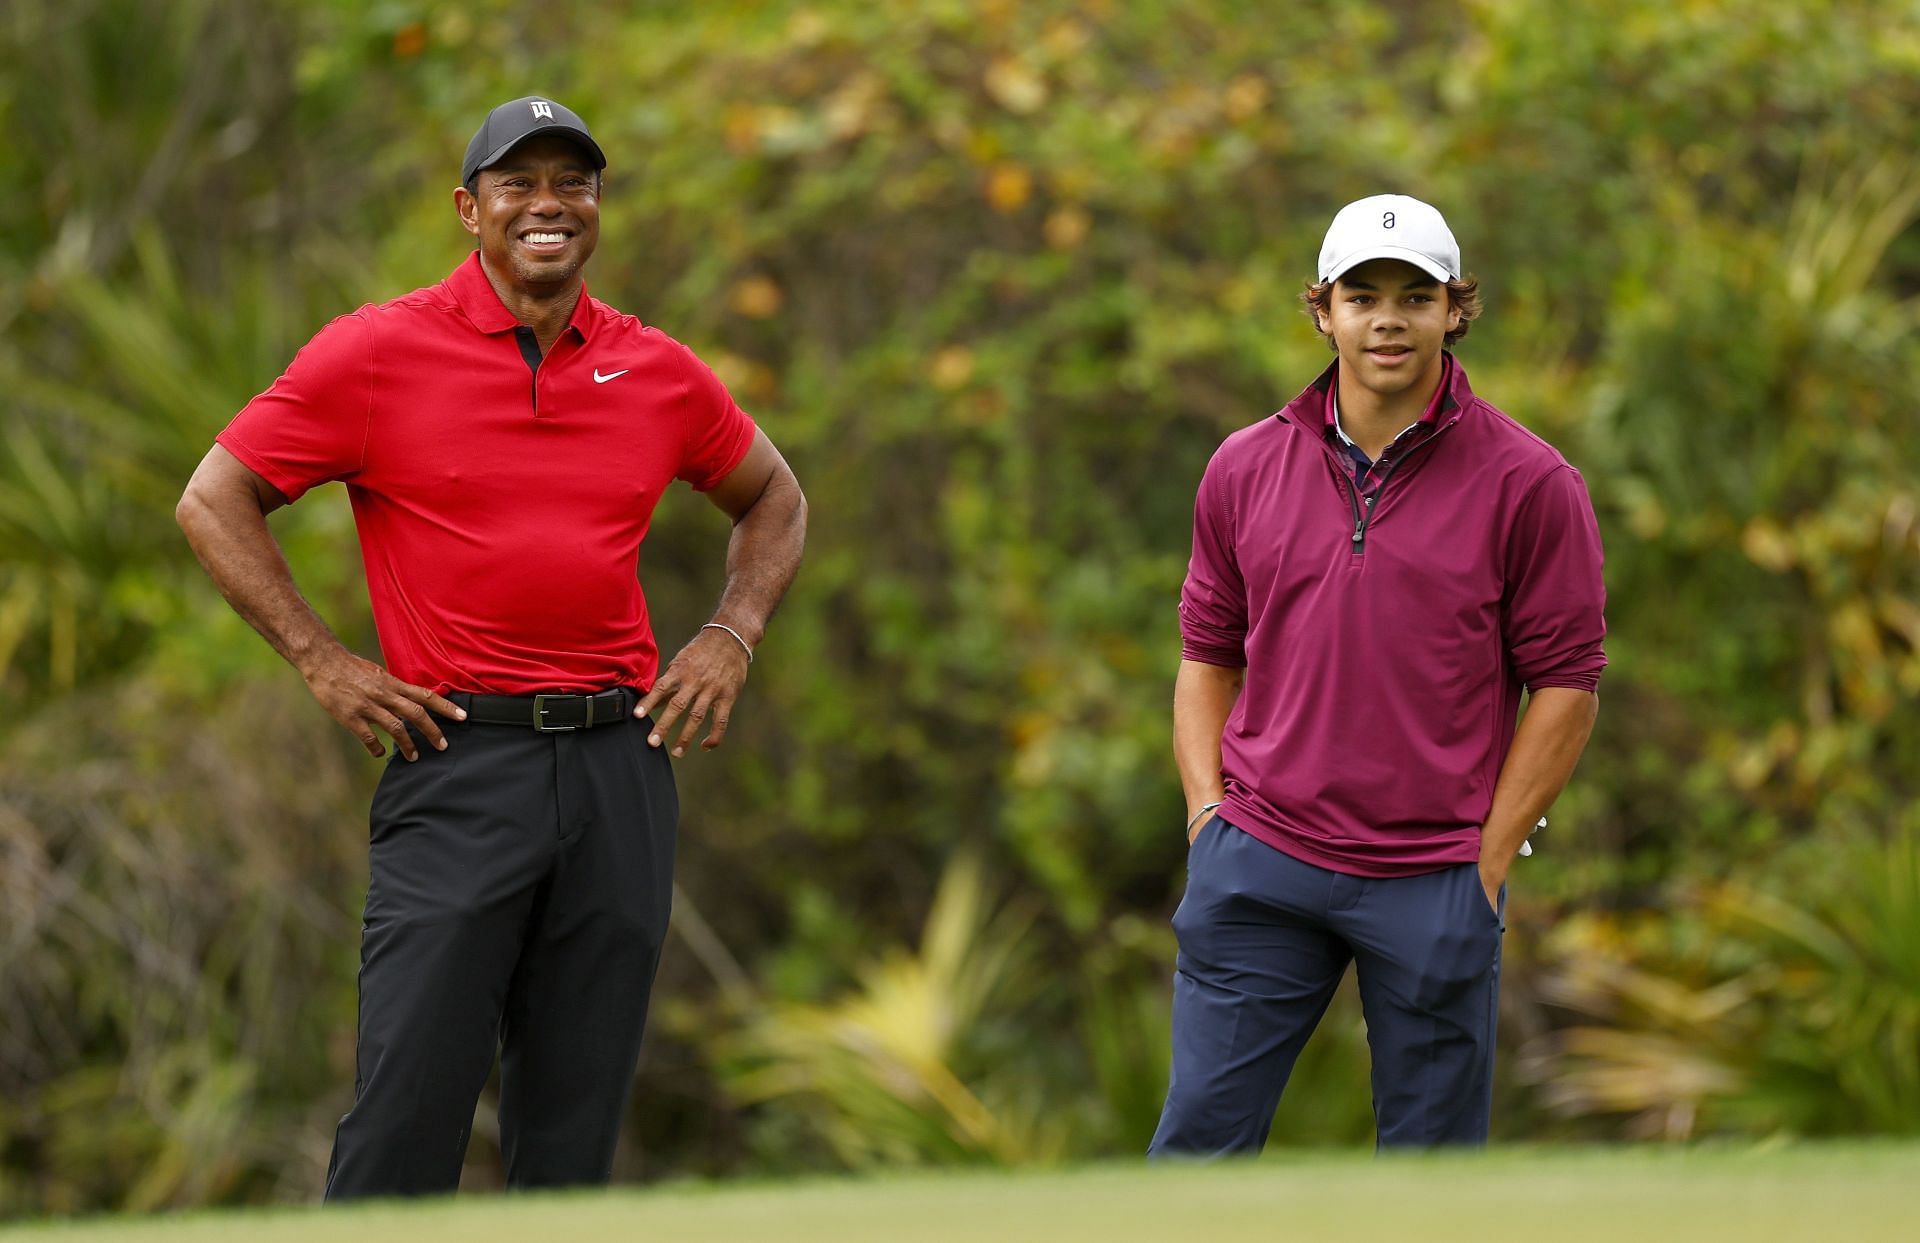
x=957 y=1053
x=176 y=976
x=1784 y=1000
x=893 y=1073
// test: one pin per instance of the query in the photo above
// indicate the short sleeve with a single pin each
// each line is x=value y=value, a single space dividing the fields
x=718 y=432
x=1213 y=600
x=1554 y=622
x=310 y=426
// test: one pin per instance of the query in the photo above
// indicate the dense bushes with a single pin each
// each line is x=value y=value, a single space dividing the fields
x=997 y=277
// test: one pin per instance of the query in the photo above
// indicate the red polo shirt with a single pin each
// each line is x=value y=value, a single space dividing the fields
x=500 y=507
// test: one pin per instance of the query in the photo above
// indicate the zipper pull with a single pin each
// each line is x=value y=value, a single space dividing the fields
x=1359 y=534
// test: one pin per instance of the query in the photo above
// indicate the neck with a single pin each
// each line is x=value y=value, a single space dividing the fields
x=1373 y=418
x=547 y=313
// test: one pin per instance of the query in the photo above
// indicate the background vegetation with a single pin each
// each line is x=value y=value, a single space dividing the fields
x=997 y=277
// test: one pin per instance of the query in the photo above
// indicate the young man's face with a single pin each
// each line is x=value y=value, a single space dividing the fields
x=1388 y=320
x=536 y=213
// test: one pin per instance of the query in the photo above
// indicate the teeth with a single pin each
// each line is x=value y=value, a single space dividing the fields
x=546 y=237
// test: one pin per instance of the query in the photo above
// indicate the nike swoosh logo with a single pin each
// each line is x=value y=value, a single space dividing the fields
x=602 y=379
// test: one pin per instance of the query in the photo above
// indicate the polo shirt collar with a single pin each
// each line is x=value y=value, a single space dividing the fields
x=470 y=288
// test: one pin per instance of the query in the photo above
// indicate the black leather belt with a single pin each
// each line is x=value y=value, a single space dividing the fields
x=551 y=714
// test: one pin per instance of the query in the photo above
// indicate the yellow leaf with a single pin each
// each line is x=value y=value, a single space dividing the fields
x=1015 y=87
x=807 y=28
x=1767 y=546
x=1066 y=38
x=742 y=129
x=952 y=367
x=850 y=108
x=1009 y=187
x=756 y=298
x=744 y=377
x=1246 y=95
x=1067 y=226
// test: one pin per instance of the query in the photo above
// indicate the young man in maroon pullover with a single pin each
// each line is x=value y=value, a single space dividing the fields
x=1379 y=570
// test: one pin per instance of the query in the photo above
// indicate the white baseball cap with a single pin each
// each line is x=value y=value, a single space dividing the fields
x=1390 y=226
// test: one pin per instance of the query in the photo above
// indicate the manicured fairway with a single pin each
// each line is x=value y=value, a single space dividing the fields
x=1857 y=1193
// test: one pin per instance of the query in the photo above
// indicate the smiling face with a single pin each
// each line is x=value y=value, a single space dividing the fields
x=536 y=212
x=1388 y=321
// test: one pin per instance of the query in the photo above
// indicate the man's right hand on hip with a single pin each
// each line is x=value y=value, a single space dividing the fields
x=367 y=700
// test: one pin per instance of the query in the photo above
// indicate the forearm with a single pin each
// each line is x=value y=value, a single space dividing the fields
x=1203 y=696
x=230 y=536
x=1545 y=749
x=763 y=555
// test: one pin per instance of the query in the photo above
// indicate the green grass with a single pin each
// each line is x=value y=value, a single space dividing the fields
x=1855 y=1192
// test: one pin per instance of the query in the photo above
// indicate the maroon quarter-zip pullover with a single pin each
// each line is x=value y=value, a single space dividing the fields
x=1386 y=647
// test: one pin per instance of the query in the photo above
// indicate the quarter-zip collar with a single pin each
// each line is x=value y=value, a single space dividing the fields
x=1429 y=417
x=1312 y=410
x=1312 y=413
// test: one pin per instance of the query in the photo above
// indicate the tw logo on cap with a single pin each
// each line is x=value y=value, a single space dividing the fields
x=541 y=109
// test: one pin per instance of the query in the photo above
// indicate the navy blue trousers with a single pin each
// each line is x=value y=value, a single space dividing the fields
x=1265 y=940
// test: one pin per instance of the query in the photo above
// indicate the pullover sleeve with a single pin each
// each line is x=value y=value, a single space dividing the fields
x=310 y=426
x=1213 y=601
x=1553 y=621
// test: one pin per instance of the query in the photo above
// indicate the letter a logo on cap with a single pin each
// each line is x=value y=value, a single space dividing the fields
x=542 y=109
x=1390 y=226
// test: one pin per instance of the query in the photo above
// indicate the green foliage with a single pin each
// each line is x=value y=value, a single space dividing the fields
x=1788 y=1003
x=885 y=1071
x=172 y=989
x=998 y=278
x=930 y=1057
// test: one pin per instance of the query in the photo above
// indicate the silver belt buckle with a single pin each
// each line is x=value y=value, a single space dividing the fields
x=540 y=725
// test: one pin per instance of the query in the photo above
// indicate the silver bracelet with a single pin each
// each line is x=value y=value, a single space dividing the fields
x=1196 y=815
x=736 y=637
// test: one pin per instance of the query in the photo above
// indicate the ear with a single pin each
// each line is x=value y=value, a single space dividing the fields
x=1453 y=313
x=469 y=209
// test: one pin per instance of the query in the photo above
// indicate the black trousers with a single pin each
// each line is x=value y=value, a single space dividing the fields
x=517 y=900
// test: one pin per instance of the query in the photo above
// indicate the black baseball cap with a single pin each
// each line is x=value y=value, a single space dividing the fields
x=518 y=120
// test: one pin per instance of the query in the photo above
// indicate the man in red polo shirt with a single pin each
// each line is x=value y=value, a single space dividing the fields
x=1379 y=570
x=504 y=438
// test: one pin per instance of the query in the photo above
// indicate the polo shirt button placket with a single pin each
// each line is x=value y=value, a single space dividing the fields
x=530 y=354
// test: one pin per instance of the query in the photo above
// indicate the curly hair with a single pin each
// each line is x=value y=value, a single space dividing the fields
x=1464 y=294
